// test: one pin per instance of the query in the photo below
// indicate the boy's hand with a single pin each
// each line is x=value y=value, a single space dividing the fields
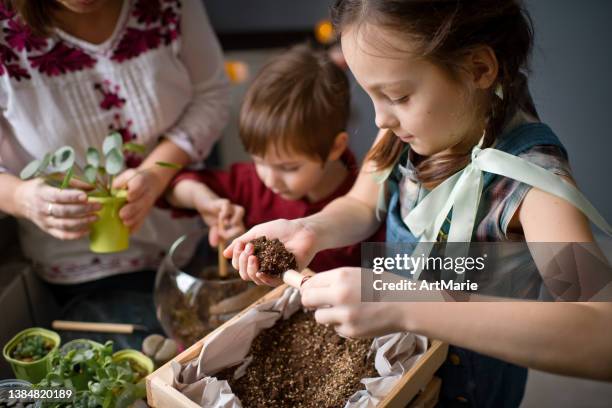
x=224 y=219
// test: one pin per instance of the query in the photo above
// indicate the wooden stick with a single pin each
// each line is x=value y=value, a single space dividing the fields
x=295 y=278
x=96 y=327
x=221 y=259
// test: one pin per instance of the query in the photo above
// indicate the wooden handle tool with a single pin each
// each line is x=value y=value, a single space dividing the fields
x=97 y=327
x=223 y=273
x=295 y=278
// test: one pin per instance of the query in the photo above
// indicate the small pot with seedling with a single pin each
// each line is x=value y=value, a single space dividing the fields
x=72 y=362
x=59 y=168
x=99 y=377
x=29 y=351
x=140 y=364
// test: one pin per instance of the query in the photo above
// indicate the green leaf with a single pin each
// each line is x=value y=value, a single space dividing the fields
x=55 y=380
x=30 y=170
x=169 y=165
x=112 y=141
x=63 y=158
x=93 y=157
x=45 y=162
x=90 y=173
x=114 y=162
x=96 y=388
x=67 y=178
x=134 y=147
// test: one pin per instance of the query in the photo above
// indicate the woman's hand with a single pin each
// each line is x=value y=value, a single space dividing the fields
x=295 y=235
x=224 y=219
x=63 y=213
x=143 y=186
x=336 y=294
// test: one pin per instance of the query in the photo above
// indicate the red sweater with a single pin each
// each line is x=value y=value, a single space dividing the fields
x=242 y=186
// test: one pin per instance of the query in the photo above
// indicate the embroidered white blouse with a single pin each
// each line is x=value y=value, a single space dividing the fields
x=159 y=74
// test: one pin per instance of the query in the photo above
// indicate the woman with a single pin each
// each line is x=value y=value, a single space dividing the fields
x=71 y=72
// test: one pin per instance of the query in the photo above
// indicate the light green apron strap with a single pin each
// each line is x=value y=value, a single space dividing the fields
x=498 y=162
x=462 y=191
x=381 y=177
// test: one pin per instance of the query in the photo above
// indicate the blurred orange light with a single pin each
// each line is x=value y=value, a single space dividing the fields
x=324 y=32
x=237 y=71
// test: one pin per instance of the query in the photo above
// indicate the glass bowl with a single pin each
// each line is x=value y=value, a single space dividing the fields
x=191 y=299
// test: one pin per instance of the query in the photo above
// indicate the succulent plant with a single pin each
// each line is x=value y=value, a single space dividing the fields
x=60 y=167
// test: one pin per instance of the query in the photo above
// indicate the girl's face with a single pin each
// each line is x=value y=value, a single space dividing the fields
x=412 y=97
x=82 y=6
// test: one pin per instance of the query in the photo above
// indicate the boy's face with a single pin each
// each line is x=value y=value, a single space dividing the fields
x=290 y=175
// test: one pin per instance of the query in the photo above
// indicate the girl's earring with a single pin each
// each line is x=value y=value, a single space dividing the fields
x=499 y=91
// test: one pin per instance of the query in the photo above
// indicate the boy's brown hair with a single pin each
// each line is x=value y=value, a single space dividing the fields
x=298 y=103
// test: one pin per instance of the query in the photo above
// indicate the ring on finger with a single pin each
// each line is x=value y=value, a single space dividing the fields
x=50 y=210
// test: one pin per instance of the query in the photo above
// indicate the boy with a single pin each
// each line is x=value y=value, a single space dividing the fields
x=292 y=123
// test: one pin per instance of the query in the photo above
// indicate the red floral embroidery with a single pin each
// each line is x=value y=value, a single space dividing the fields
x=135 y=42
x=132 y=160
x=123 y=130
x=110 y=95
x=20 y=37
x=147 y=11
x=61 y=59
x=169 y=17
x=171 y=22
x=7 y=55
x=5 y=14
x=15 y=70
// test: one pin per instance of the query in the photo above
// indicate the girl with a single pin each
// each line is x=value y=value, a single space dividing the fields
x=446 y=79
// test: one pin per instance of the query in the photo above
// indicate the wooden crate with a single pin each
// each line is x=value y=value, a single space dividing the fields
x=161 y=393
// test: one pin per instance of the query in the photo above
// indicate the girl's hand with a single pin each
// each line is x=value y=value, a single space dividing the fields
x=294 y=234
x=224 y=219
x=143 y=188
x=64 y=214
x=336 y=294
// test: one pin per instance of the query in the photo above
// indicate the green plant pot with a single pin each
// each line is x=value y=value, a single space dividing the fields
x=30 y=371
x=108 y=234
x=136 y=357
x=80 y=381
x=80 y=344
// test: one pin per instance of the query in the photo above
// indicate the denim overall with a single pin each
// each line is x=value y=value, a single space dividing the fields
x=470 y=379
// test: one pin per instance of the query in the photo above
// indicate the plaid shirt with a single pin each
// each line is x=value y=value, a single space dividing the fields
x=500 y=198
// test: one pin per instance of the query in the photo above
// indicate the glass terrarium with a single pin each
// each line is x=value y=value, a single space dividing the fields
x=191 y=298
